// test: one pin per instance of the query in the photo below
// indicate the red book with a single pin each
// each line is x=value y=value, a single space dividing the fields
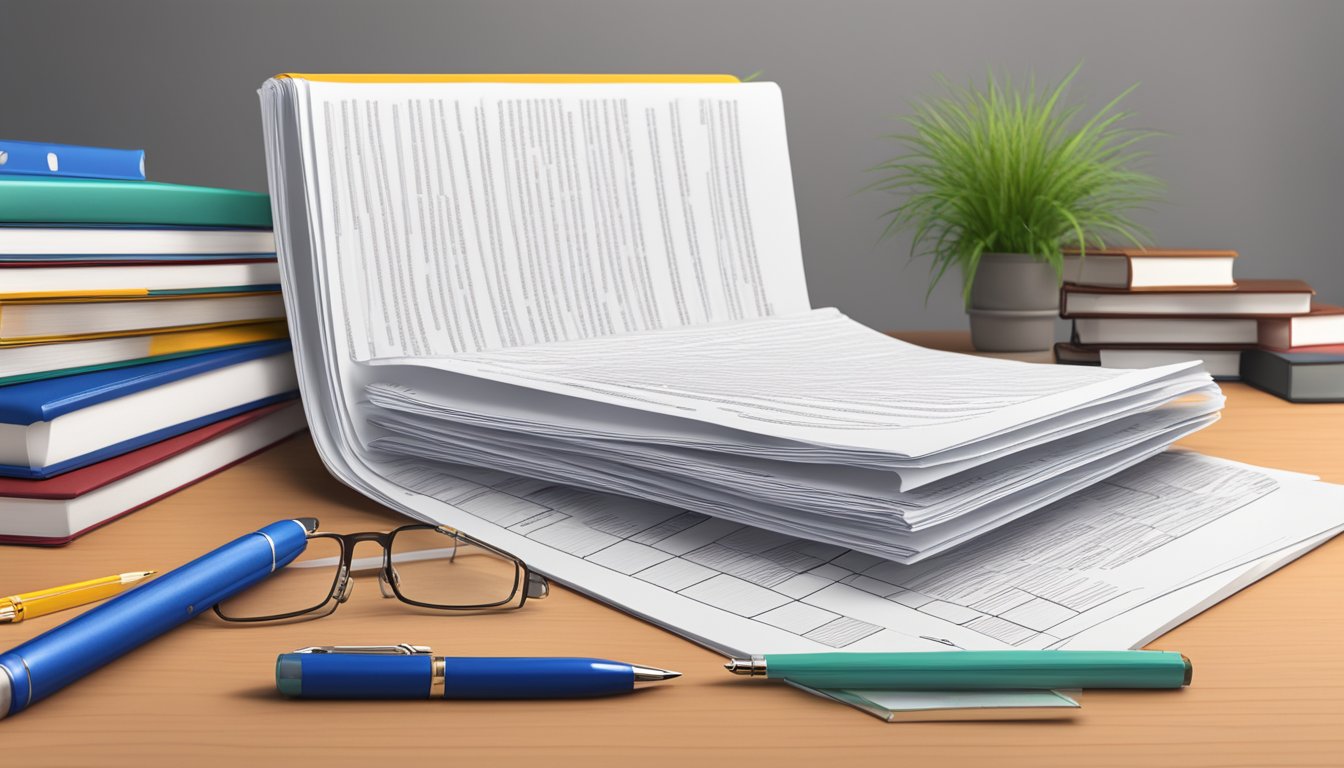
x=1323 y=325
x=1314 y=349
x=55 y=511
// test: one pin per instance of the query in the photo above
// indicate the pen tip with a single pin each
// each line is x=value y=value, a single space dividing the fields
x=653 y=674
x=746 y=667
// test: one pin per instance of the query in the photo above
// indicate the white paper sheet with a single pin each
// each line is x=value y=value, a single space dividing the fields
x=1040 y=582
x=470 y=217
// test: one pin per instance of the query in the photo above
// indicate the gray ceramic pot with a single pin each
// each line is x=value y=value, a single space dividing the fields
x=1014 y=303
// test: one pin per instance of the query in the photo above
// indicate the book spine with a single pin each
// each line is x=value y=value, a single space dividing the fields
x=41 y=159
x=74 y=201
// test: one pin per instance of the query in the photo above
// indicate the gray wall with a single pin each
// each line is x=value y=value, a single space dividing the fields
x=1251 y=93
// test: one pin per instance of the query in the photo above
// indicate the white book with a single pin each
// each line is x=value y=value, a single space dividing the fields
x=1150 y=268
x=1165 y=330
x=45 y=319
x=133 y=241
x=1324 y=325
x=51 y=359
x=1220 y=363
x=1246 y=298
x=17 y=280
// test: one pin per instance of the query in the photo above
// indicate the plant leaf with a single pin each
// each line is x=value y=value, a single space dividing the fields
x=1003 y=168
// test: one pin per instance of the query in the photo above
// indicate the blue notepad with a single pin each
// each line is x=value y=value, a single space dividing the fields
x=36 y=158
x=56 y=425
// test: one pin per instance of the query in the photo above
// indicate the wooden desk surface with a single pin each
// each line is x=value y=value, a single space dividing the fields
x=1269 y=682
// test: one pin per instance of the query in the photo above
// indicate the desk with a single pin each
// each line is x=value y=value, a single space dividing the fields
x=1269 y=681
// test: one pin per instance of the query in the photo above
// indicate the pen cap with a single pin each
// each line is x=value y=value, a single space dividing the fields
x=983 y=670
x=353 y=676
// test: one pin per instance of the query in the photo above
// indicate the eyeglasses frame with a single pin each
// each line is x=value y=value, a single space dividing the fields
x=523 y=575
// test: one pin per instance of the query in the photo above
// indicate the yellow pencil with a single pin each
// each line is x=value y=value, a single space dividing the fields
x=44 y=601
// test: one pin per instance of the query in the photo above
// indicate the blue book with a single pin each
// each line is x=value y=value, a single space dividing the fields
x=56 y=425
x=35 y=158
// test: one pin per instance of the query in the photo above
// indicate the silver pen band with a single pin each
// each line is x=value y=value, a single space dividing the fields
x=270 y=541
x=28 y=673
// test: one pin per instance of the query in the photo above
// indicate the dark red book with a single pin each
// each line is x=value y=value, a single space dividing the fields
x=131 y=261
x=1324 y=325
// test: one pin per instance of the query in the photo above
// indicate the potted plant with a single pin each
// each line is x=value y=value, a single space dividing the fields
x=997 y=182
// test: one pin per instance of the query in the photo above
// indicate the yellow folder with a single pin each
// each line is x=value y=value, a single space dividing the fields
x=177 y=342
x=66 y=297
x=511 y=78
x=169 y=341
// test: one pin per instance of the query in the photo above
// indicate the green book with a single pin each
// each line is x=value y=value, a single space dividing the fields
x=44 y=200
x=932 y=706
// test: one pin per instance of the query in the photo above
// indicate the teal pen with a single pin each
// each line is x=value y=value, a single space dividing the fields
x=972 y=670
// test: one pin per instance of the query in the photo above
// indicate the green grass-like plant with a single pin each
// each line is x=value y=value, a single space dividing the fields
x=1003 y=170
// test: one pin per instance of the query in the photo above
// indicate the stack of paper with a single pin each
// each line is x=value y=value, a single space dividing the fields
x=602 y=285
x=142 y=337
x=571 y=320
x=938 y=456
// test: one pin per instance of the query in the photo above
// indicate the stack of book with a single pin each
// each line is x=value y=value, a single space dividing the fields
x=1142 y=308
x=142 y=337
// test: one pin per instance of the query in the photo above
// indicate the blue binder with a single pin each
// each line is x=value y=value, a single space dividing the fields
x=33 y=158
x=38 y=401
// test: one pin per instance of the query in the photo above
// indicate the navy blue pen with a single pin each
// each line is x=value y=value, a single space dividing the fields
x=413 y=672
x=60 y=656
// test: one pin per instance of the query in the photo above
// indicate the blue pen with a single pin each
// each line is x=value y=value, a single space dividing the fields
x=58 y=657
x=413 y=672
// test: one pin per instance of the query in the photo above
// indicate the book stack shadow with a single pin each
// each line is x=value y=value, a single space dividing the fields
x=142 y=339
x=1147 y=307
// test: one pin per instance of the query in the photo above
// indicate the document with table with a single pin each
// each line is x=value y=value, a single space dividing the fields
x=571 y=319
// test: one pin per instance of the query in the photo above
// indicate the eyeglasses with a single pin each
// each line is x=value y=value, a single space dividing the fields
x=427 y=566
